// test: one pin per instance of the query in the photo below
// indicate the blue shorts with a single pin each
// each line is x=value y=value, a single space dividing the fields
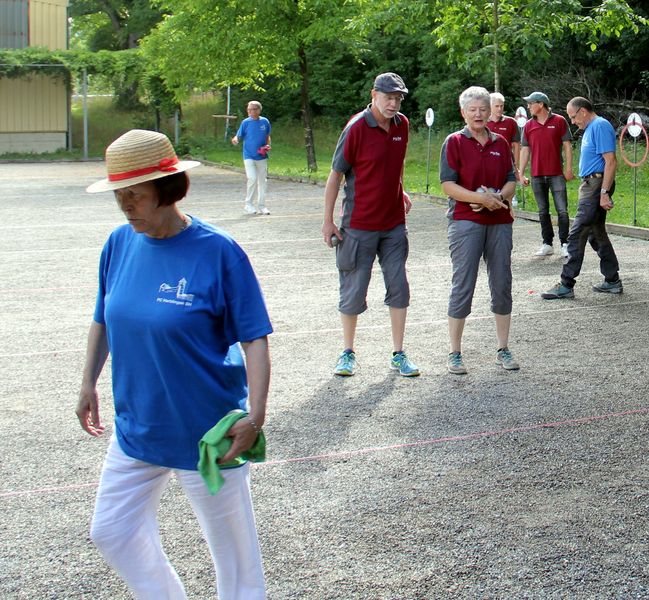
x=354 y=259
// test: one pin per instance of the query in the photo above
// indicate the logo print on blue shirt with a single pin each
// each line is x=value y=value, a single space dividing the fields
x=181 y=298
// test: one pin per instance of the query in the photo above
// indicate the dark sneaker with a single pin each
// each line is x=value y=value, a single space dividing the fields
x=558 y=291
x=455 y=364
x=400 y=362
x=609 y=288
x=346 y=365
x=505 y=358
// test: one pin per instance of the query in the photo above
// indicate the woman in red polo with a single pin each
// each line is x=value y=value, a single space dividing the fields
x=477 y=174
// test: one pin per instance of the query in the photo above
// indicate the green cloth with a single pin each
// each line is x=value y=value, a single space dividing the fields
x=213 y=445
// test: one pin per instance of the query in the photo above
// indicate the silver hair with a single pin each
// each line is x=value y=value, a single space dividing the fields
x=474 y=93
x=497 y=96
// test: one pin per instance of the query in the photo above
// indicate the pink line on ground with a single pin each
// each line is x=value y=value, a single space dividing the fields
x=46 y=490
x=455 y=438
x=363 y=451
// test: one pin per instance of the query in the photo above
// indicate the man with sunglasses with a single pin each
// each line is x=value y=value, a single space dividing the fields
x=370 y=155
x=545 y=135
x=597 y=165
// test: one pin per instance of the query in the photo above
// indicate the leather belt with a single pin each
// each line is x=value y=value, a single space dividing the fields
x=593 y=176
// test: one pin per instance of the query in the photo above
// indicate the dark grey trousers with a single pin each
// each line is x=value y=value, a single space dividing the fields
x=589 y=226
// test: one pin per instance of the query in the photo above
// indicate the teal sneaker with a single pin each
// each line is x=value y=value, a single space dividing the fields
x=558 y=291
x=455 y=364
x=400 y=362
x=346 y=365
x=609 y=287
x=505 y=358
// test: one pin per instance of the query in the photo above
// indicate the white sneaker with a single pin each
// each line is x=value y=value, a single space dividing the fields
x=544 y=250
x=564 y=251
x=263 y=211
x=249 y=209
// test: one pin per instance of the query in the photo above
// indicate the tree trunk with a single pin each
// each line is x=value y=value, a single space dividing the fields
x=496 y=24
x=307 y=120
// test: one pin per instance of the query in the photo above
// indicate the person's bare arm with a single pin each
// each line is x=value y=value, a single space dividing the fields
x=331 y=194
x=610 y=166
x=567 y=155
x=244 y=431
x=523 y=160
x=88 y=405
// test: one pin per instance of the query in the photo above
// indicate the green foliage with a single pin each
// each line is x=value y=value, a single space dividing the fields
x=208 y=44
x=124 y=72
x=111 y=25
x=473 y=35
x=28 y=61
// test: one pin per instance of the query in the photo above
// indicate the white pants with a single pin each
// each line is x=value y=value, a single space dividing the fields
x=256 y=171
x=125 y=528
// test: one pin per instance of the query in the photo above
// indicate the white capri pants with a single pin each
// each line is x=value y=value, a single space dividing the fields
x=256 y=172
x=125 y=528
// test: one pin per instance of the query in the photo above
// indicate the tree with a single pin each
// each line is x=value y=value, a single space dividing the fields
x=118 y=25
x=481 y=34
x=213 y=43
x=111 y=24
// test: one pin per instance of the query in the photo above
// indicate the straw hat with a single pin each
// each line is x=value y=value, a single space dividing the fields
x=138 y=156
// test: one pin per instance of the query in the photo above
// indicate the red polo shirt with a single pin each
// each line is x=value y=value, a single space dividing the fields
x=468 y=163
x=546 y=142
x=372 y=160
x=506 y=127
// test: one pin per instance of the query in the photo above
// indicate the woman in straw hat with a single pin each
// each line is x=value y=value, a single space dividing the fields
x=177 y=299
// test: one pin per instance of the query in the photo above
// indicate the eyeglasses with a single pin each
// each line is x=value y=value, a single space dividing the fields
x=572 y=117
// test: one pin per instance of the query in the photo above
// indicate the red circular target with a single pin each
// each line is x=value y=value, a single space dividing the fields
x=646 y=150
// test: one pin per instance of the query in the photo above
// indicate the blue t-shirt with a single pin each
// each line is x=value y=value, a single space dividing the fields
x=598 y=138
x=254 y=133
x=175 y=310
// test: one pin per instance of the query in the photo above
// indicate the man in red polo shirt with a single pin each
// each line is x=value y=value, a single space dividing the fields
x=544 y=136
x=370 y=155
x=506 y=126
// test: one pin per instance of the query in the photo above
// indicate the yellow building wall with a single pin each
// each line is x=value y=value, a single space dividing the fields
x=34 y=110
x=39 y=103
x=48 y=23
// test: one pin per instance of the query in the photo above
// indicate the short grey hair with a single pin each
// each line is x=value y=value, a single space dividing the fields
x=497 y=96
x=472 y=93
x=254 y=103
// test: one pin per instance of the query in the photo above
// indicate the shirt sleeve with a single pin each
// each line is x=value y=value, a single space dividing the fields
x=339 y=162
x=567 y=134
x=448 y=160
x=241 y=132
x=98 y=315
x=245 y=316
x=605 y=138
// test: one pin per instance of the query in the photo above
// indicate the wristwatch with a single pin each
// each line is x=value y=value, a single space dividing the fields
x=603 y=191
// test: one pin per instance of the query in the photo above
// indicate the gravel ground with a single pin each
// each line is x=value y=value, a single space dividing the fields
x=529 y=484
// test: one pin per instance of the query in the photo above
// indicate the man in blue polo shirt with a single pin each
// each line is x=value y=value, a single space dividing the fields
x=370 y=156
x=597 y=165
x=255 y=133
